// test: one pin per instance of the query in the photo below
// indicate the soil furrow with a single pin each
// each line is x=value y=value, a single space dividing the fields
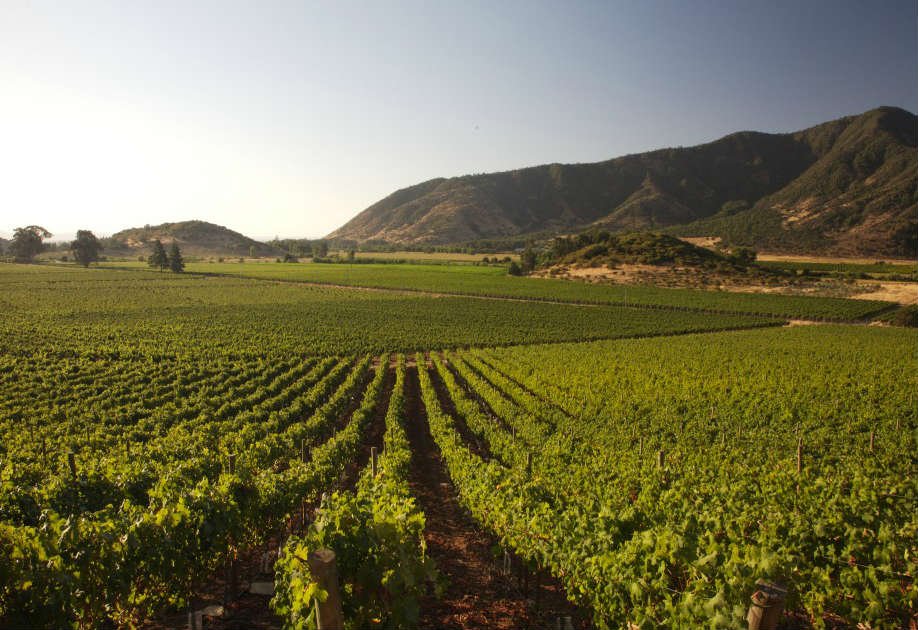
x=477 y=593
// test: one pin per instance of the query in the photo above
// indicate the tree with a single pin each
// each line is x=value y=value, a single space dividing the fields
x=528 y=260
x=176 y=264
x=743 y=256
x=86 y=248
x=27 y=242
x=515 y=269
x=158 y=258
x=320 y=249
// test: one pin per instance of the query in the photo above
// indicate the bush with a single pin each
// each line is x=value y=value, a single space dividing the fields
x=905 y=316
x=515 y=269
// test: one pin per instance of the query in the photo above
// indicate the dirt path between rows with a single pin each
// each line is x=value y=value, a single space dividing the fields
x=477 y=595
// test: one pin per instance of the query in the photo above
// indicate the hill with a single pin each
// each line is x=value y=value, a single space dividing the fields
x=843 y=187
x=645 y=248
x=195 y=238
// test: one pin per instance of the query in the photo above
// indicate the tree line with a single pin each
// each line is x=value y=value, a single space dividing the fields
x=28 y=242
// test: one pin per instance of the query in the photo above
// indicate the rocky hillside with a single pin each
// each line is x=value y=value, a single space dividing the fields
x=844 y=187
x=195 y=238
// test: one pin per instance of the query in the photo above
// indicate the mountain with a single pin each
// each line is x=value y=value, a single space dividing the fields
x=195 y=238
x=846 y=187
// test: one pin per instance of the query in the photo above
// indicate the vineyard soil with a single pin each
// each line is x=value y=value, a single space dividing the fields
x=477 y=594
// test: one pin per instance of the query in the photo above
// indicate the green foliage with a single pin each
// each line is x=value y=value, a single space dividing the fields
x=681 y=546
x=906 y=316
x=649 y=248
x=879 y=269
x=320 y=249
x=131 y=313
x=27 y=242
x=176 y=263
x=158 y=259
x=377 y=535
x=131 y=535
x=742 y=256
x=86 y=248
x=494 y=282
x=528 y=260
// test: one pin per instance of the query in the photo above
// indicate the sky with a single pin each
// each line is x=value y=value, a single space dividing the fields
x=288 y=118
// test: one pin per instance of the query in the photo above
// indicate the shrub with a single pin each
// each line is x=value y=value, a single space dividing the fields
x=905 y=316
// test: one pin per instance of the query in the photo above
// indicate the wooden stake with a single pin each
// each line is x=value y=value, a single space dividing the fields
x=231 y=463
x=329 y=615
x=661 y=458
x=71 y=461
x=767 y=606
x=799 y=455
x=373 y=461
x=872 y=432
x=529 y=465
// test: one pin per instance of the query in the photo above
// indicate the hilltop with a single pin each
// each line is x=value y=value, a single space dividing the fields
x=846 y=187
x=196 y=238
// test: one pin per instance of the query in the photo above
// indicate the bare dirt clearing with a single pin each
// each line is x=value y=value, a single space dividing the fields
x=904 y=293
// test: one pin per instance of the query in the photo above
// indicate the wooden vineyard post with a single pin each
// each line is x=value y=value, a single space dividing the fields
x=304 y=457
x=661 y=458
x=329 y=615
x=231 y=463
x=799 y=455
x=373 y=461
x=767 y=606
x=234 y=574
x=641 y=447
x=872 y=433
x=71 y=462
x=44 y=453
x=565 y=623
x=529 y=465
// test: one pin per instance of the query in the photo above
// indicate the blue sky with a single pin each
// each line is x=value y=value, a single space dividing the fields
x=288 y=118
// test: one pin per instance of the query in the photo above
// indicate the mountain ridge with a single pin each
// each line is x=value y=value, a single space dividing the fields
x=805 y=190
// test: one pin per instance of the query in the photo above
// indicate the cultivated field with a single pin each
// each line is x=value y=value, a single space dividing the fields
x=545 y=449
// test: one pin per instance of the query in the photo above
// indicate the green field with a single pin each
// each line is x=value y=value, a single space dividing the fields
x=54 y=310
x=872 y=269
x=494 y=281
x=677 y=545
x=204 y=412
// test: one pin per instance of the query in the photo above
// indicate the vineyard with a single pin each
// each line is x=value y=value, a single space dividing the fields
x=608 y=464
x=493 y=281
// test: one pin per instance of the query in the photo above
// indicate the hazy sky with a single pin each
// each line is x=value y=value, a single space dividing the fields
x=288 y=118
